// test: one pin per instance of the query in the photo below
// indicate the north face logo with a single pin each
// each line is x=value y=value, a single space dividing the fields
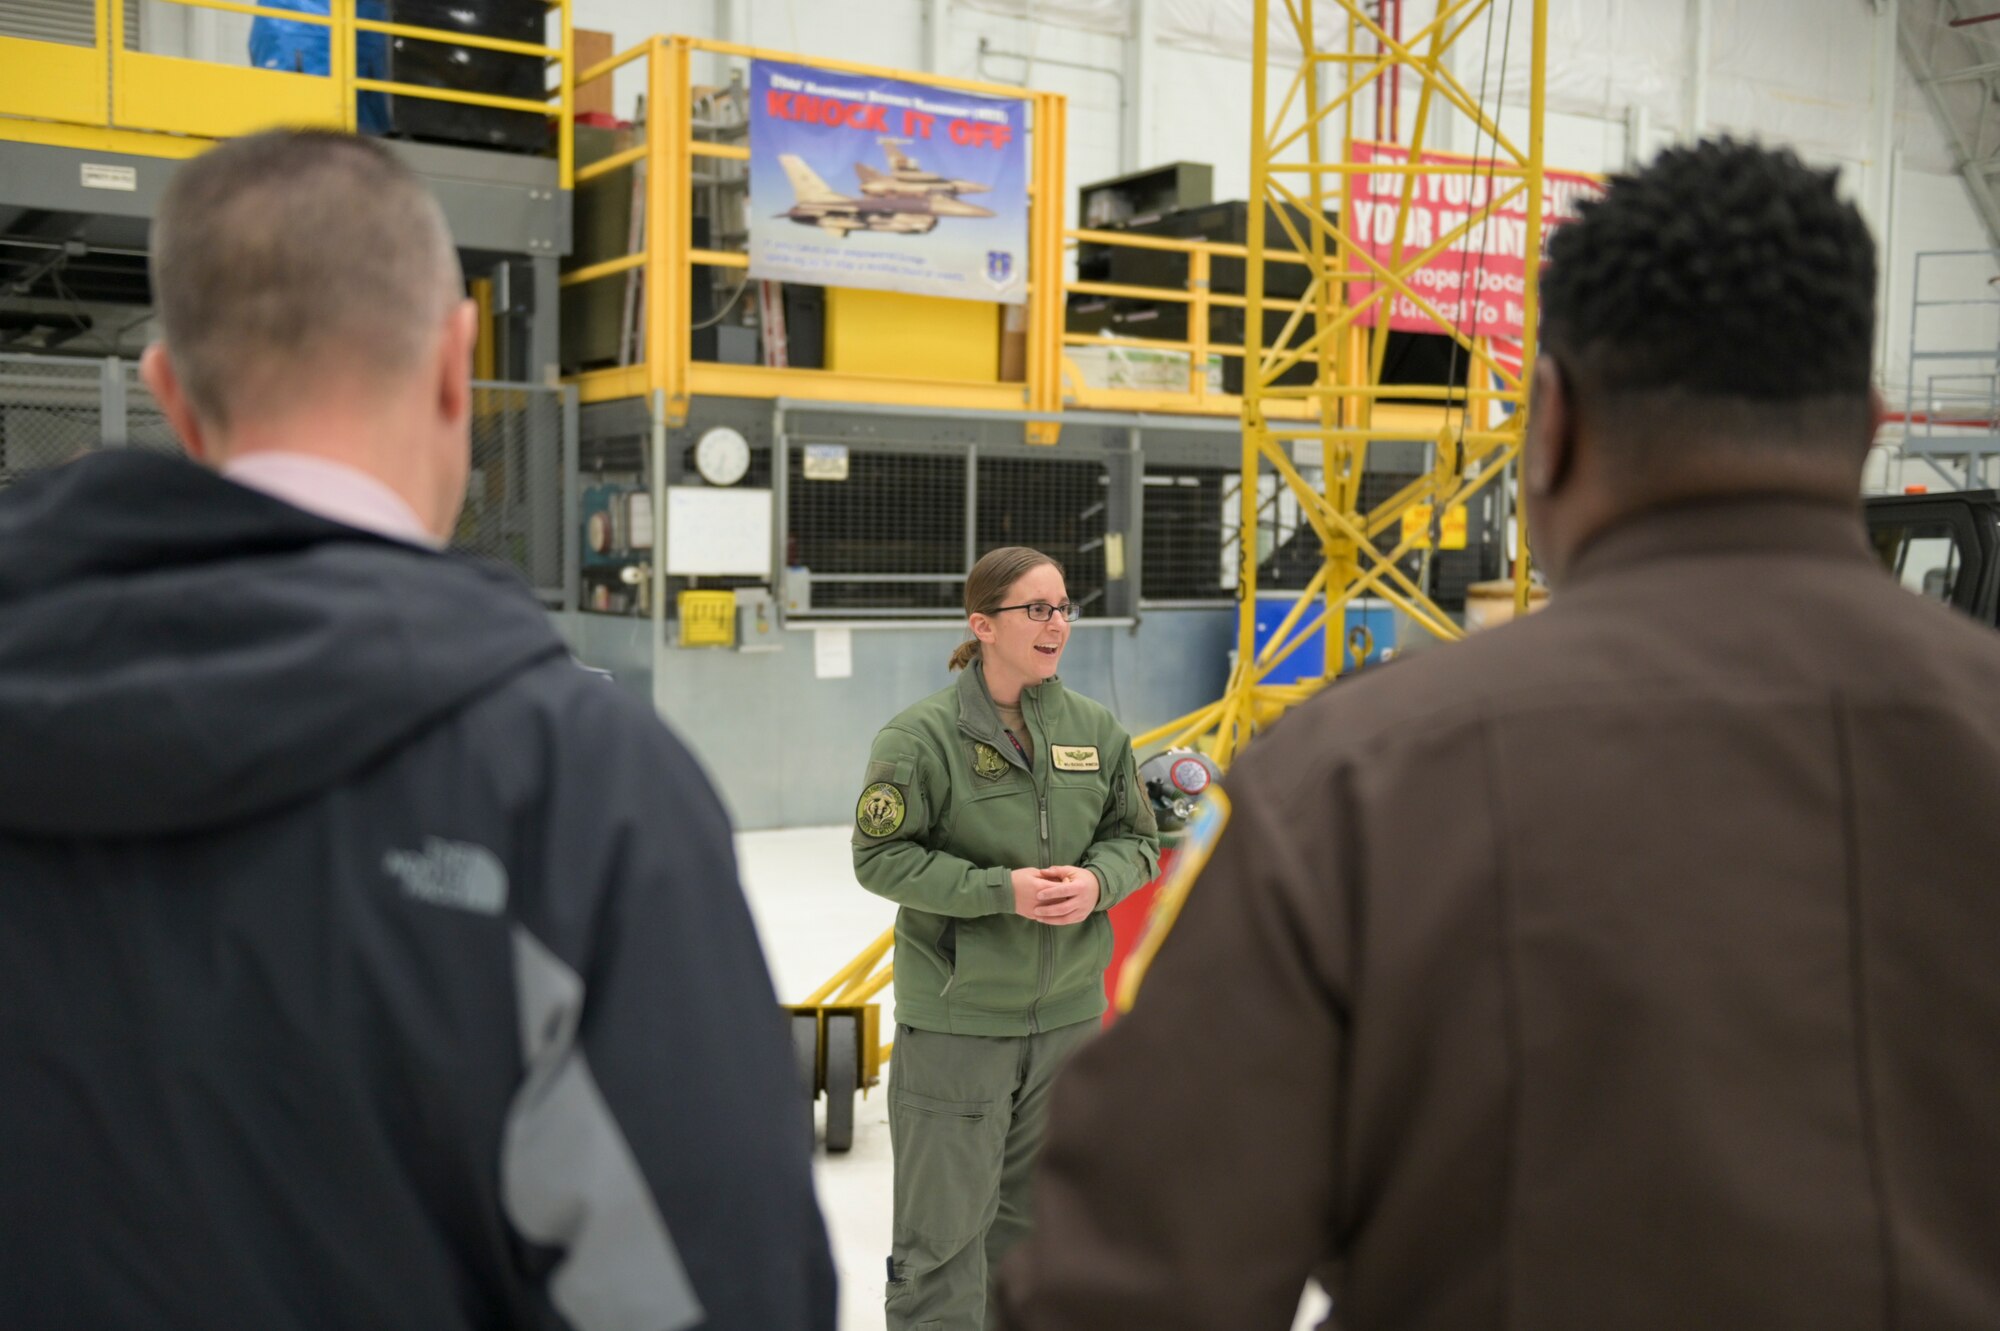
x=451 y=873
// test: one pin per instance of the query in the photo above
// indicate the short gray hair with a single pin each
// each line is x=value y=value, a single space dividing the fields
x=285 y=252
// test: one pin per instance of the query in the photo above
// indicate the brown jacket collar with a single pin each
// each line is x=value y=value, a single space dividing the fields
x=1753 y=524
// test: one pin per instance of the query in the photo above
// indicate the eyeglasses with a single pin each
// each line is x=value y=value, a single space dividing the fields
x=1040 y=611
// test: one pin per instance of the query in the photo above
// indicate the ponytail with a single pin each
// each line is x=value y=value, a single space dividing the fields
x=964 y=654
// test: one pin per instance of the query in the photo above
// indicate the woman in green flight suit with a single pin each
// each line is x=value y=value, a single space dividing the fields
x=1004 y=815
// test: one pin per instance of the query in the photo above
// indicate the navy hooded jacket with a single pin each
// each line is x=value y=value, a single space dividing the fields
x=364 y=962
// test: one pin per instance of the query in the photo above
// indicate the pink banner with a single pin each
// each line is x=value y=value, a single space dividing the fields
x=1478 y=282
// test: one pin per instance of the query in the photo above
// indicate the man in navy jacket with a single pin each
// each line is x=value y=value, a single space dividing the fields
x=363 y=961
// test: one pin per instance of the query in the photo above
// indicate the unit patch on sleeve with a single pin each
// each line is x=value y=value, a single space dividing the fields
x=988 y=762
x=881 y=810
x=1074 y=757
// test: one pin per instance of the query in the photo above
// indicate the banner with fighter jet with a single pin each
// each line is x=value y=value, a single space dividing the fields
x=873 y=182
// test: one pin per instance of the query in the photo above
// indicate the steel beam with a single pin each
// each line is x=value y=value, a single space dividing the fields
x=1963 y=139
x=1967 y=74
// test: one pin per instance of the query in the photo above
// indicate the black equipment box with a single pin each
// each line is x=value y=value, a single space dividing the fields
x=1103 y=204
x=441 y=65
x=1224 y=223
x=1112 y=205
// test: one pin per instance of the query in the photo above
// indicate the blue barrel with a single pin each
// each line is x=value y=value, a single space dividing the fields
x=1309 y=661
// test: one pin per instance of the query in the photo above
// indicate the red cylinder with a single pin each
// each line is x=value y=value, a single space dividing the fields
x=1128 y=925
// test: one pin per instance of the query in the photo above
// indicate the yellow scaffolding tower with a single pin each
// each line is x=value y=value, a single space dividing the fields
x=1291 y=180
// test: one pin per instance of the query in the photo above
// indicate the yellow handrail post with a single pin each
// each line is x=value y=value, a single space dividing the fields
x=566 y=113
x=666 y=245
x=105 y=27
x=342 y=70
x=1045 y=257
x=112 y=37
x=672 y=187
x=1200 y=270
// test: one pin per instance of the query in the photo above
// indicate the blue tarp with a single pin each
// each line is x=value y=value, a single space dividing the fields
x=306 y=48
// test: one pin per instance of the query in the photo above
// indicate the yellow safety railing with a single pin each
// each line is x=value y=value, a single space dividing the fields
x=668 y=258
x=1195 y=395
x=1054 y=380
x=119 y=95
x=1402 y=411
x=57 y=81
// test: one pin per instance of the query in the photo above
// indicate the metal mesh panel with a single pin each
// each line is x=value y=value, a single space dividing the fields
x=51 y=411
x=54 y=409
x=892 y=537
x=69 y=22
x=889 y=539
x=1185 y=545
x=1056 y=507
x=514 y=495
x=145 y=424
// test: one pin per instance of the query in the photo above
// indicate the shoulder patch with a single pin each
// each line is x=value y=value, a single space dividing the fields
x=881 y=810
x=1075 y=757
x=1211 y=816
x=988 y=762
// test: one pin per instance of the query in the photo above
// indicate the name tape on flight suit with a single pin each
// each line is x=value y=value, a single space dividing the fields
x=1074 y=757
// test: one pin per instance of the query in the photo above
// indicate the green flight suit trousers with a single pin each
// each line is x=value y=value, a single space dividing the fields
x=966 y=1114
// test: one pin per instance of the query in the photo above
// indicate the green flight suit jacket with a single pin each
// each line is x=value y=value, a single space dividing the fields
x=949 y=809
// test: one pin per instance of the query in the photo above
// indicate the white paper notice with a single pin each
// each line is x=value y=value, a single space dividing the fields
x=833 y=653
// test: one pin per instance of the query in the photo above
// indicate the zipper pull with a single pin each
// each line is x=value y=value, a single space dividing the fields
x=1045 y=819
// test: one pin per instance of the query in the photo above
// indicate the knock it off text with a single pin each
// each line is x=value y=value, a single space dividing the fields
x=881 y=119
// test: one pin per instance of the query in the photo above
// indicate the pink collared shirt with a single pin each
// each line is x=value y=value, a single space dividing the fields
x=332 y=490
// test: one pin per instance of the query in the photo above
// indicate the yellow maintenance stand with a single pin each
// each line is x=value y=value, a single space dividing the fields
x=1347 y=284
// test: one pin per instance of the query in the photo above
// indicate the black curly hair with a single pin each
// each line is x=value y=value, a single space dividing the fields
x=1722 y=275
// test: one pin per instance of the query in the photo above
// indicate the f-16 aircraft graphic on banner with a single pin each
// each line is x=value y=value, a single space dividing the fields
x=909 y=227
x=883 y=205
x=907 y=176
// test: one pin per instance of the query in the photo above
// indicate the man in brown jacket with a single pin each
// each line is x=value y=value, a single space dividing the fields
x=1635 y=966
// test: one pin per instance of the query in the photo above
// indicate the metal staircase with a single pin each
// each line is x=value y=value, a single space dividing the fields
x=1951 y=413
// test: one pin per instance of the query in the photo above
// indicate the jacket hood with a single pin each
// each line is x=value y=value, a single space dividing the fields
x=178 y=652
